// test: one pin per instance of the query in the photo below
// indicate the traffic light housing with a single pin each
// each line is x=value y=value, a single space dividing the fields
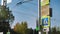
x=50 y=12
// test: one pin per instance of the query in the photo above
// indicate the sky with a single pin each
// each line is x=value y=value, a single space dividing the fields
x=29 y=12
x=55 y=19
x=25 y=12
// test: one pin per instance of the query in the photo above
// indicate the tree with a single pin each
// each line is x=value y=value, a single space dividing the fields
x=30 y=31
x=21 y=28
x=54 y=30
x=6 y=14
x=6 y=17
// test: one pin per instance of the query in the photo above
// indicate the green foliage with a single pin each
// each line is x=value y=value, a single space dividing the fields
x=30 y=31
x=6 y=14
x=3 y=13
x=55 y=30
x=21 y=28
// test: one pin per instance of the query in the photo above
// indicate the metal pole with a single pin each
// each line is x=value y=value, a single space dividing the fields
x=39 y=16
x=46 y=32
x=39 y=32
x=39 y=9
x=33 y=31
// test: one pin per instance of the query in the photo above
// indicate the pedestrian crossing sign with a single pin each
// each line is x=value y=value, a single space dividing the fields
x=45 y=21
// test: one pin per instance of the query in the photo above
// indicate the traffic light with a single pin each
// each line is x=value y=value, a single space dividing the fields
x=50 y=12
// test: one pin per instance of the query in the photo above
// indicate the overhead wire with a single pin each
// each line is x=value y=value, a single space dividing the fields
x=27 y=7
x=30 y=9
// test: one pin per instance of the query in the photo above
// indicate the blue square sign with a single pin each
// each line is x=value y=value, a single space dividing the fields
x=45 y=21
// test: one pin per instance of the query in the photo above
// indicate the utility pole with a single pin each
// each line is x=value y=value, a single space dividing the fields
x=44 y=15
x=39 y=20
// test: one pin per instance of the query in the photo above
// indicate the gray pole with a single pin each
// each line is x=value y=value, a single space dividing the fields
x=39 y=14
x=46 y=32
x=33 y=31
